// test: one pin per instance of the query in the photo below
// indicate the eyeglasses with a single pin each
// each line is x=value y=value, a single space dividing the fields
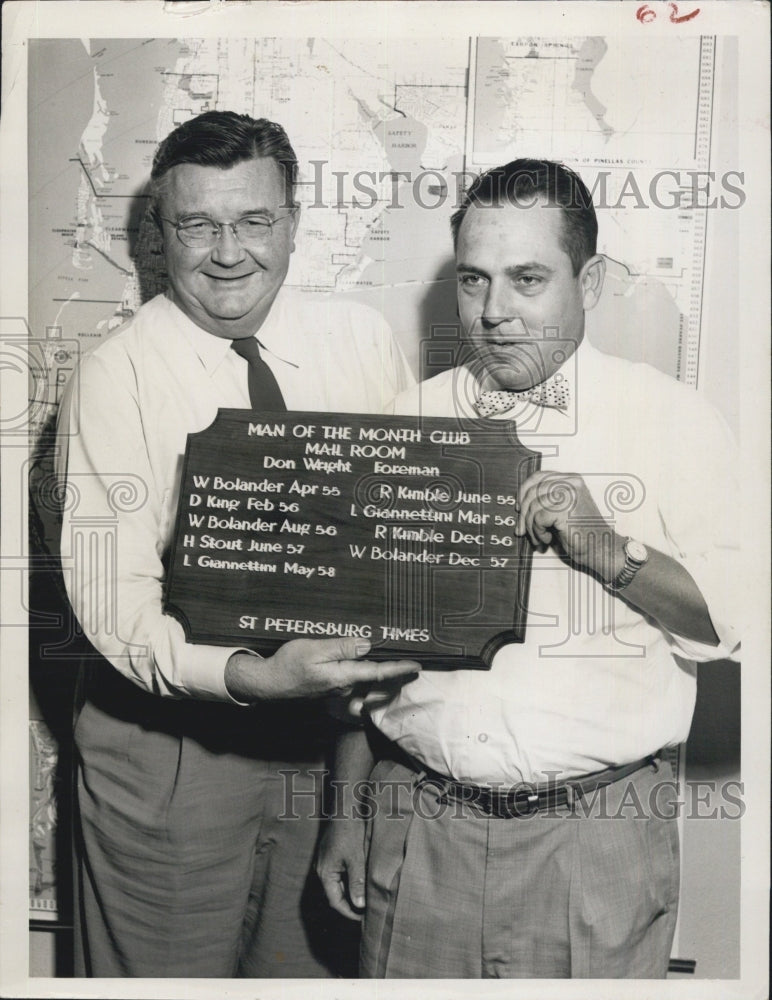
x=199 y=231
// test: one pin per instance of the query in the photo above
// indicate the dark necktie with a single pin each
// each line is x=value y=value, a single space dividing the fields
x=264 y=391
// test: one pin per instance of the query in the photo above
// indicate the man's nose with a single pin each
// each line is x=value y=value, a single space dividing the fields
x=497 y=307
x=227 y=251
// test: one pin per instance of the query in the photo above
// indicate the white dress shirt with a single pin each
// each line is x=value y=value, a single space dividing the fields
x=596 y=683
x=123 y=427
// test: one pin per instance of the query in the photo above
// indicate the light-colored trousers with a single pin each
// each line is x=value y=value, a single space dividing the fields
x=557 y=894
x=193 y=850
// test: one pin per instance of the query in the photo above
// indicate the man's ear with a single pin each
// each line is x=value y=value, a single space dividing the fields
x=155 y=215
x=591 y=277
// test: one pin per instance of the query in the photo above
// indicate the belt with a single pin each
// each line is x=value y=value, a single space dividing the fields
x=526 y=798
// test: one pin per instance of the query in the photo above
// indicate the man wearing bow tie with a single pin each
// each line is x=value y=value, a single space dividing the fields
x=523 y=823
x=185 y=866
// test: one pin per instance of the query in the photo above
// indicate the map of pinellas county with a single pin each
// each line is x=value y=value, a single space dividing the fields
x=387 y=136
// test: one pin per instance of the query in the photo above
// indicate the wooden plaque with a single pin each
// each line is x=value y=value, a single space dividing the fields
x=394 y=529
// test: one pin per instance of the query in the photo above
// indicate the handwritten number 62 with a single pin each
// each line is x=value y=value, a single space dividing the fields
x=645 y=14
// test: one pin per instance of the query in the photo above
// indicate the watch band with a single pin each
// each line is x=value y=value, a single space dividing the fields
x=635 y=557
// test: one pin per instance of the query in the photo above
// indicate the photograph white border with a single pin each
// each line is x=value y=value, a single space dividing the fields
x=30 y=19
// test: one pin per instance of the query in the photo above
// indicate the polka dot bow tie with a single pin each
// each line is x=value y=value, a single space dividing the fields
x=553 y=393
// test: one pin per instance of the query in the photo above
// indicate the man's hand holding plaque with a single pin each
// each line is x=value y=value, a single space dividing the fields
x=310 y=668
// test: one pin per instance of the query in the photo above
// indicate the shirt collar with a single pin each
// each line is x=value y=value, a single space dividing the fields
x=279 y=335
x=209 y=349
x=273 y=335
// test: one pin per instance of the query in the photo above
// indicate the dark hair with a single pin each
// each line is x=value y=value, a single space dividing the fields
x=222 y=139
x=519 y=182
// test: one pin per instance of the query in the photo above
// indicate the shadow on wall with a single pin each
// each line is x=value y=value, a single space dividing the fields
x=637 y=318
x=54 y=655
x=146 y=246
x=713 y=747
x=438 y=308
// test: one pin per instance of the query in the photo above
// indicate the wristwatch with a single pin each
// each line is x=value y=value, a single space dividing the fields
x=635 y=557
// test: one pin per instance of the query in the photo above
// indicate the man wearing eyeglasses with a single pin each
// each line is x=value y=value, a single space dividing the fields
x=185 y=866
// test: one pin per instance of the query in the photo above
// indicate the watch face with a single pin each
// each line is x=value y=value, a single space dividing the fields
x=636 y=551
